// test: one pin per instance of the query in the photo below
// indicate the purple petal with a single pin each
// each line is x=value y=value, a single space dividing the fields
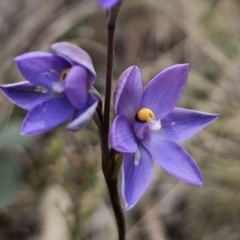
x=173 y=159
x=82 y=117
x=122 y=137
x=128 y=93
x=182 y=123
x=75 y=55
x=108 y=4
x=141 y=129
x=24 y=94
x=76 y=87
x=165 y=90
x=136 y=177
x=47 y=116
x=41 y=68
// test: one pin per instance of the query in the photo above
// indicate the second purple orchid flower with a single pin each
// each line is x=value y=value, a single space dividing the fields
x=148 y=126
x=57 y=87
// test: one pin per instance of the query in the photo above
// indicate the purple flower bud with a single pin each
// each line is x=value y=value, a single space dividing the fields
x=108 y=4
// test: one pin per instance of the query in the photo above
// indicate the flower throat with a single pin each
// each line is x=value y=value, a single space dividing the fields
x=147 y=115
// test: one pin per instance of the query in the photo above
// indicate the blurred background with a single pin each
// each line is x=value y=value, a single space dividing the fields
x=51 y=186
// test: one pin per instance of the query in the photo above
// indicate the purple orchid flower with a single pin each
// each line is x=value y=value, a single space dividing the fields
x=148 y=126
x=108 y=4
x=58 y=86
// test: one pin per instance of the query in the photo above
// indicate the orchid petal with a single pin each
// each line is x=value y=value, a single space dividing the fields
x=25 y=95
x=122 y=137
x=82 y=117
x=76 y=56
x=108 y=4
x=141 y=128
x=128 y=93
x=165 y=90
x=173 y=159
x=76 y=87
x=137 y=176
x=41 y=68
x=182 y=123
x=47 y=116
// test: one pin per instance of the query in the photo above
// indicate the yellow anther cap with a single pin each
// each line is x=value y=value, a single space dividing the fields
x=145 y=115
x=64 y=73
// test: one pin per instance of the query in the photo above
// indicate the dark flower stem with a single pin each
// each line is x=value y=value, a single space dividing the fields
x=110 y=165
x=114 y=196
